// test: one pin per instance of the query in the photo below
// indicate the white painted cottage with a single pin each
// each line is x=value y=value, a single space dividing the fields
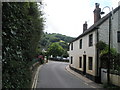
x=82 y=51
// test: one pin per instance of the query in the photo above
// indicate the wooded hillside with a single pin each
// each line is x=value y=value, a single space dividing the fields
x=48 y=38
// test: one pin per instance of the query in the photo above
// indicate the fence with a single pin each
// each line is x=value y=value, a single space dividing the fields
x=114 y=69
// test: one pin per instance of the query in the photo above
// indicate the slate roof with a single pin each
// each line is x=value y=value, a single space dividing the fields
x=95 y=26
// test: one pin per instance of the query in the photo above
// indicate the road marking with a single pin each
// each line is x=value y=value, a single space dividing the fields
x=36 y=78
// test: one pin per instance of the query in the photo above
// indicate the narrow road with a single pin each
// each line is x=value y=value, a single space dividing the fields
x=54 y=75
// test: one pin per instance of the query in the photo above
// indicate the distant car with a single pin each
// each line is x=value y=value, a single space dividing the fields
x=58 y=58
x=68 y=58
x=64 y=58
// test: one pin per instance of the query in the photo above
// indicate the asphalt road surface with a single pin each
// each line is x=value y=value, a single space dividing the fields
x=54 y=75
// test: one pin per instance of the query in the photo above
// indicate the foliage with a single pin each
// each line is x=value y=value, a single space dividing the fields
x=65 y=54
x=104 y=57
x=22 y=24
x=103 y=48
x=61 y=37
x=115 y=64
x=101 y=45
x=55 y=49
x=49 y=38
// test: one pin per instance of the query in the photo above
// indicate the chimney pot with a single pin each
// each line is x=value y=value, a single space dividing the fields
x=97 y=5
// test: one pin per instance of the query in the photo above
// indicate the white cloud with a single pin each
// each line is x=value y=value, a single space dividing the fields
x=67 y=16
x=115 y=3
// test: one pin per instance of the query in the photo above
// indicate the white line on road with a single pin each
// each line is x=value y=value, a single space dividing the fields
x=36 y=78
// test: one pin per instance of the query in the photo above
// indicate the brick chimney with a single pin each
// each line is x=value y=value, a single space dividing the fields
x=97 y=12
x=84 y=26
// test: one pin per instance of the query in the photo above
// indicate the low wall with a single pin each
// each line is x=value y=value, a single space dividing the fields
x=115 y=79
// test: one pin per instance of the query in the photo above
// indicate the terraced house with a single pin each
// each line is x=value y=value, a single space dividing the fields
x=83 y=52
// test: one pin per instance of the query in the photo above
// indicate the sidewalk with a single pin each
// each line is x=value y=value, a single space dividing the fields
x=84 y=79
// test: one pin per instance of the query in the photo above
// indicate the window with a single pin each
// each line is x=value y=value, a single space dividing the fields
x=118 y=36
x=90 y=65
x=71 y=59
x=80 y=43
x=91 y=40
x=71 y=46
x=80 y=62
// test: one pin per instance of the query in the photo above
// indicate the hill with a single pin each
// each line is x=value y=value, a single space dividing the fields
x=48 y=38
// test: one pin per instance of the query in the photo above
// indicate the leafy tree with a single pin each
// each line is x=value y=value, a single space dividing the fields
x=65 y=54
x=64 y=45
x=55 y=49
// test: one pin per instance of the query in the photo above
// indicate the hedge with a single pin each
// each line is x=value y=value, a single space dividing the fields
x=22 y=25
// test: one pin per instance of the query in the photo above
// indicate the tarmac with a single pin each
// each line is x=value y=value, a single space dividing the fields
x=83 y=78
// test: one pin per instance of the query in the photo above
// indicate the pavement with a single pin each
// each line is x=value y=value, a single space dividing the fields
x=48 y=74
x=85 y=80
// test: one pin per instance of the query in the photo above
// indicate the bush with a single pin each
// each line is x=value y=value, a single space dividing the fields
x=104 y=57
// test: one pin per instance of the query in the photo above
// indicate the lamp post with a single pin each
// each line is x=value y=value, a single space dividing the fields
x=108 y=61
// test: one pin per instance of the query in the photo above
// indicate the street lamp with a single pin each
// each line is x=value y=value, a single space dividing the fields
x=108 y=61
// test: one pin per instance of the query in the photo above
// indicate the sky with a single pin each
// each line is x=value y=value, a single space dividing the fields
x=68 y=16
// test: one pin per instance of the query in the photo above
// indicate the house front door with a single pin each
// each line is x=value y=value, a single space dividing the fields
x=84 y=64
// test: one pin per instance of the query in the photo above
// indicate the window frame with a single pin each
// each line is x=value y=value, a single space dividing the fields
x=90 y=40
x=80 y=62
x=80 y=44
x=71 y=46
x=71 y=60
x=118 y=36
x=90 y=63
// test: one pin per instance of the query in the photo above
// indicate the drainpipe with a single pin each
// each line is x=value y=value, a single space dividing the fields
x=98 y=63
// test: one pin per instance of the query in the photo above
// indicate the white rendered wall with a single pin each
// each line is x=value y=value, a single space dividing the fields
x=89 y=52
